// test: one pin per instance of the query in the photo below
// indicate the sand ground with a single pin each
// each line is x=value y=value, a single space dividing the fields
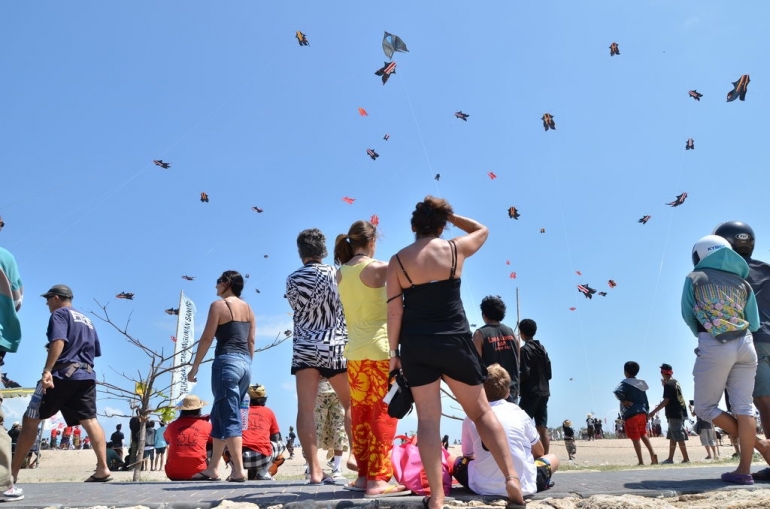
x=64 y=466
x=60 y=465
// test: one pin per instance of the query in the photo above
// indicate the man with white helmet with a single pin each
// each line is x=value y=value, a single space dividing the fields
x=720 y=308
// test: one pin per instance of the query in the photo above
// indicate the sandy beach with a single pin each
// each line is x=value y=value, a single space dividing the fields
x=75 y=466
x=68 y=466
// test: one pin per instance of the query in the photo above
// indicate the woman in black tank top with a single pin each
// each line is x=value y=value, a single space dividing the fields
x=231 y=321
x=427 y=327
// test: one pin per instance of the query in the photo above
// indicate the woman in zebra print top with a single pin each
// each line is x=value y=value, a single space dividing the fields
x=320 y=336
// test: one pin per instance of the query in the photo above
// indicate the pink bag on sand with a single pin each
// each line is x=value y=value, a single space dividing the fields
x=408 y=470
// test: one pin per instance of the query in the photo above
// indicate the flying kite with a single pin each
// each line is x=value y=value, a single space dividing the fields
x=8 y=383
x=247 y=276
x=513 y=213
x=266 y=256
x=204 y=198
x=188 y=278
x=612 y=283
x=644 y=219
x=159 y=162
x=507 y=262
x=374 y=155
x=362 y=112
x=462 y=116
x=512 y=275
x=739 y=89
x=572 y=309
x=374 y=220
x=437 y=177
x=257 y=210
x=349 y=201
x=386 y=137
x=602 y=294
x=680 y=198
x=695 y=94
x=614 y=50
x=301 y=39
x=689 y=144
x=257 y=290
x=586 y=290
x=492 y=175
x=172 y=311
x=392 y=43
x=542 y=230
x=578 y=273
x=548 y=122
x=386 y=70
x=125 y=295
x=473 y=325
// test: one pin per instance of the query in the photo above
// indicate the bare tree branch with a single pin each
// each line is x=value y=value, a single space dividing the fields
x=141 y=395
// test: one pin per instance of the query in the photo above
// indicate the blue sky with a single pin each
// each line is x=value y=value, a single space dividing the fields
x=94 y=91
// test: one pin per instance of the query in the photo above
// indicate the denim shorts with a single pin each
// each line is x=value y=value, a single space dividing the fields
x=230 y=376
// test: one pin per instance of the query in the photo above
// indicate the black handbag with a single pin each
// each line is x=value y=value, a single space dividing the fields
x=401 y=403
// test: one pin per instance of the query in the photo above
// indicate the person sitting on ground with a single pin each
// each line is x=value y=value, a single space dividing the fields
x=263 y=446
x=477 y=470
x=187 y=438
x=113 y=460
x=634 y=408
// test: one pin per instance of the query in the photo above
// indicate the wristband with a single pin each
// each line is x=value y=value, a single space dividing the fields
x=393 y=354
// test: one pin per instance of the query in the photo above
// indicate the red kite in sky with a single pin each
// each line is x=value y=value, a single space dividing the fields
x=362 y=112
x=348 y=200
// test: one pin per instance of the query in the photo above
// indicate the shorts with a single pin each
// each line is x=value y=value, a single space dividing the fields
x=326 y=358
x=762 y=378
x=75 y=399
x=537 y=408
x=426 y=358
x=230 y=378
x=543 y=474
x=570 y=444
x=636 y=426
x=160 y=450
x=330 y=423
x=149 y=453
x=676 y=430
x=708 y=438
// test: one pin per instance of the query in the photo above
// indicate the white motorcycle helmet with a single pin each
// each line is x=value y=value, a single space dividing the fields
x=708 y=245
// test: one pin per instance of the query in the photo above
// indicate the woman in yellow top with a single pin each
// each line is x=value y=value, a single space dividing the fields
x=361 y=285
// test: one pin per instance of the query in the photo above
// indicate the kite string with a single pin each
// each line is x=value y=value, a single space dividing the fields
x=419 y=134
x=572 y=269
x=467 y=288
x=668 y=234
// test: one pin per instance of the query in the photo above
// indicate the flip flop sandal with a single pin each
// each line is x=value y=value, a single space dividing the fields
x=391 y=491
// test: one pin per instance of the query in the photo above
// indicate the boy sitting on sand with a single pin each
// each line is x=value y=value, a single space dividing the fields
x=476 y=468
x=634 y=409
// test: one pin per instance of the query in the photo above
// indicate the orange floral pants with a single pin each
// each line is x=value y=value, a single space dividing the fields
x=373 y=429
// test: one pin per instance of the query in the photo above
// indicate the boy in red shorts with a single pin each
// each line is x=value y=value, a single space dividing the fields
x=634 y=409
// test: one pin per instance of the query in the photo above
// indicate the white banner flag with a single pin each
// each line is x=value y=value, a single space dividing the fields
x=185 y=337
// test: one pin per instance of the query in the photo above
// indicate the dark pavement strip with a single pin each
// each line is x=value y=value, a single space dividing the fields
x=651 y=482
